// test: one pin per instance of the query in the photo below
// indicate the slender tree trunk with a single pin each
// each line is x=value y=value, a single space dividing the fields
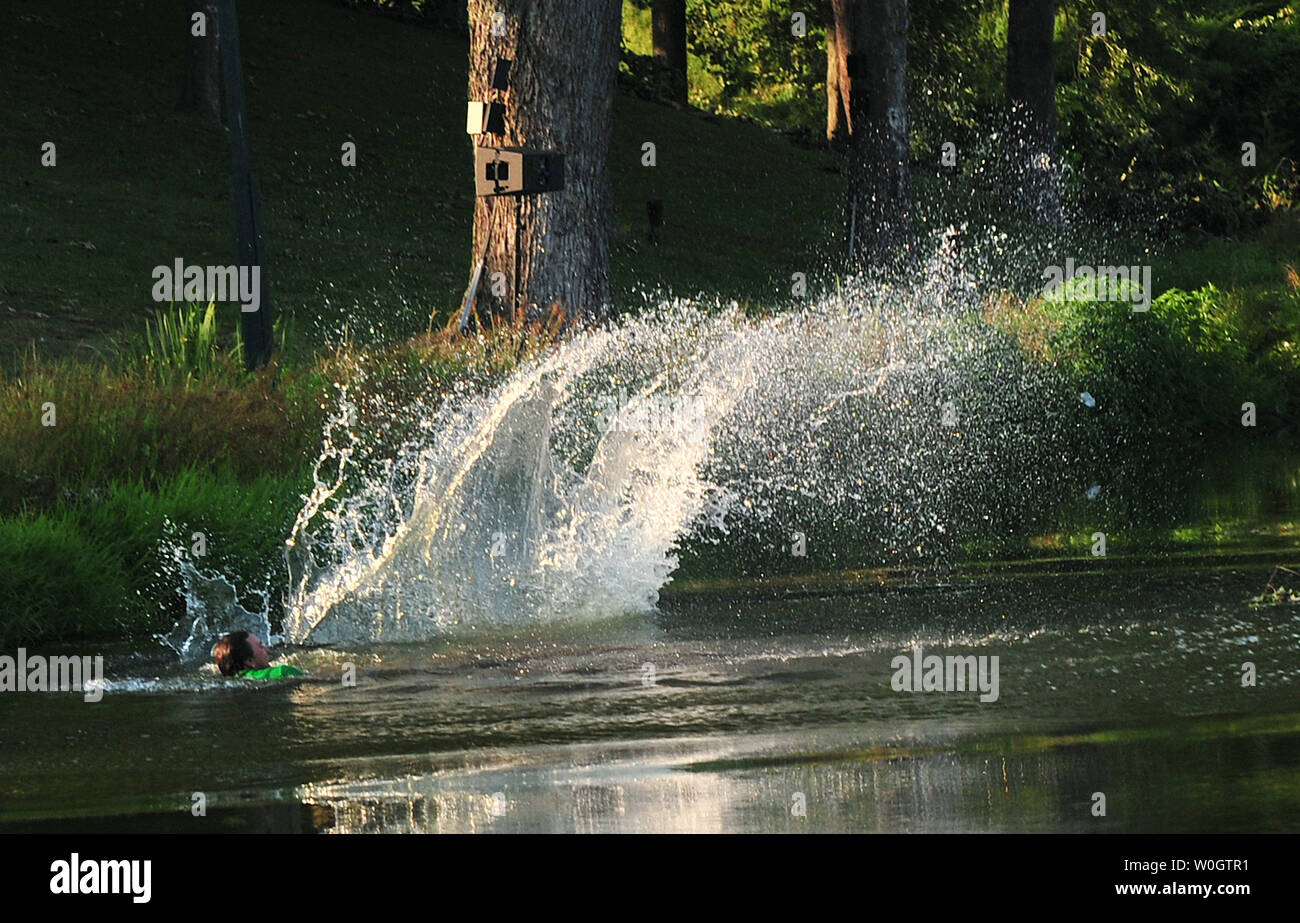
x=1034 y=171
x=843 y=13
x=201 y=93
x=837 y=127
x=551 y=248
x=668 y=28
x=879 y=208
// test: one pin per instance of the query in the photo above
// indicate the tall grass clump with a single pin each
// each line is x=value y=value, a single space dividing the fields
x=99 y=566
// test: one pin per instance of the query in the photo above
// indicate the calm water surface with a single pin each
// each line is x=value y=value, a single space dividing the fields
x=719 y=713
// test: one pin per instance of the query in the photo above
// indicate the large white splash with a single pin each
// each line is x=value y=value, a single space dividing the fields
x=558 y=494
x=564 y=492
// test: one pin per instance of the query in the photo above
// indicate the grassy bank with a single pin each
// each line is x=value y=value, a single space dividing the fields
x=108 y=467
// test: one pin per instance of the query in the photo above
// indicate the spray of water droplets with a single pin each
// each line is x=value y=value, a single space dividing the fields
x=568 y=490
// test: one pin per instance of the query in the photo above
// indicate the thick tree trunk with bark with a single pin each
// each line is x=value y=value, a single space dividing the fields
x=879 y=214
x=551 y=248
x=668 y=30
x=201 y=93
x=1031 y=102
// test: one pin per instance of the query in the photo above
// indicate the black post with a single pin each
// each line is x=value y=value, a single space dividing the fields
x=244 y=195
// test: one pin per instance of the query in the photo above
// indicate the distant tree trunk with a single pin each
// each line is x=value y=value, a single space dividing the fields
x=550 y=248
x=837 y=127
x=839 y=45
x=668 y=28
x=879 y=210
x=201 y=93
x=1031 y=103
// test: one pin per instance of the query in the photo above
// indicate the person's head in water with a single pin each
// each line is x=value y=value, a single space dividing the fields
x=240 y=651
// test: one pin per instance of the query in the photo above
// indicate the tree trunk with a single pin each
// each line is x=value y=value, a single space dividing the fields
x=879 y=220
x=1031 y=102
x=842 y=15
x=201 y=93
x=837 y=128
x=550 y=248
x=668 y=28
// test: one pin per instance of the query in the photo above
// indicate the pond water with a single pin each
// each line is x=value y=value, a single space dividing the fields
x=718 y=713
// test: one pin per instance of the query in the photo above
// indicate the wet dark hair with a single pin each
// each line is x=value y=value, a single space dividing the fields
x=233 y=653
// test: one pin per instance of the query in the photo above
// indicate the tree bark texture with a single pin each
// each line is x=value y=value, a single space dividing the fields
x=551 y=249
x=879 y=219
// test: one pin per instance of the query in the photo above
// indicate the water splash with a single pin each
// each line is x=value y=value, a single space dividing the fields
x=569 y=490
x=212 y=605
x=520 y=507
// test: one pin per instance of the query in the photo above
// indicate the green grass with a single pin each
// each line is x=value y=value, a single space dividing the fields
x=94 y=567
x=1249 y=266
x=110 y=425
x=380 y=247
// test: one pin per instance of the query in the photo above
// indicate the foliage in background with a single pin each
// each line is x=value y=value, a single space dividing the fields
x=1155 y=113
x=742 y=61
x=956 y=52
x=1152 y=114
x=1183 y=368
x=766 y=77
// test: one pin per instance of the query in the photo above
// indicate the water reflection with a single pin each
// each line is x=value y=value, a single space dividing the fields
x=1225 y=775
